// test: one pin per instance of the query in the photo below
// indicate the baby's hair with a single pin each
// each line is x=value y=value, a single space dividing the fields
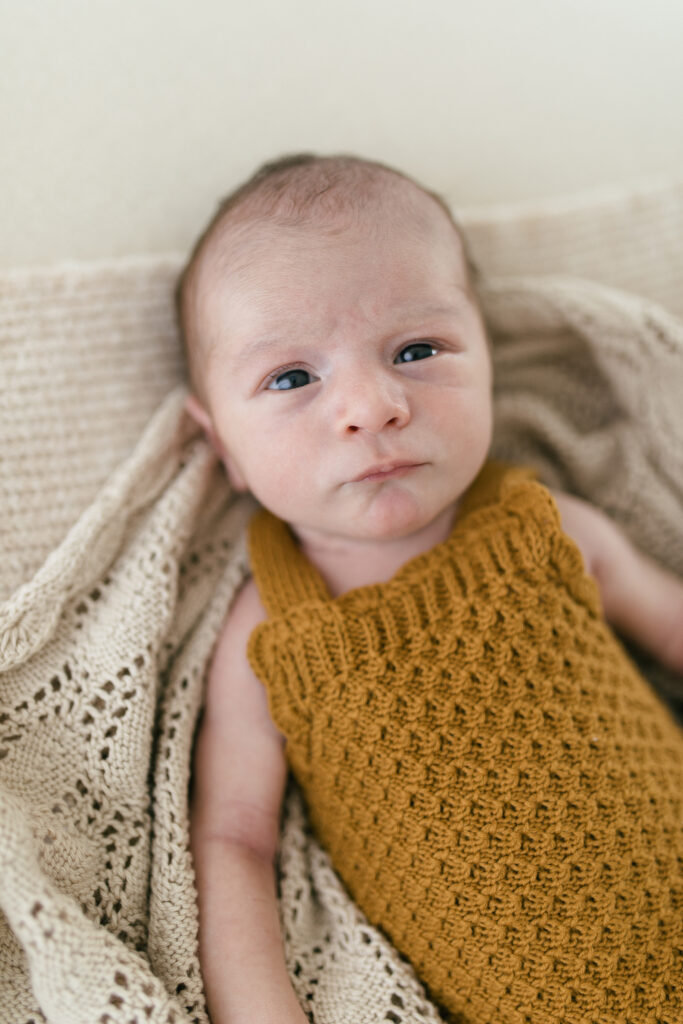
x=297 y=189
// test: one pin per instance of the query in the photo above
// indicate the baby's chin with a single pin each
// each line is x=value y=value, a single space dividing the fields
x=397 y=516
x=393 y=512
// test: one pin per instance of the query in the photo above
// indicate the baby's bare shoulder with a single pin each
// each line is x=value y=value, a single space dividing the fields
x=594 y=533
x=244 y=614
x=231 y=676
x=246 y=611
x=641 y=598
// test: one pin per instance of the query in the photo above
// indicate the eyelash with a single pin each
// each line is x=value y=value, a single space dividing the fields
x=426 y=342
x=284 y=370
x=281 y=372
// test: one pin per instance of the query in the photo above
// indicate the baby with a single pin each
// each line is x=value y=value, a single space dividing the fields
x=495 y=783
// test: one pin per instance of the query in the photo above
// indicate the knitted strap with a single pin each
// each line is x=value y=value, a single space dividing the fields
x=283 y=575
x=494 y=479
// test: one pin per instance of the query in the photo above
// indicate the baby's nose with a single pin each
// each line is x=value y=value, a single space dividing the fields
x=372 y=405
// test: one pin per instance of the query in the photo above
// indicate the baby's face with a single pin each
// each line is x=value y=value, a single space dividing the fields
x=349 y=381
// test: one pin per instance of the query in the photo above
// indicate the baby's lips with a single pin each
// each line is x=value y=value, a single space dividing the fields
x=387 y=469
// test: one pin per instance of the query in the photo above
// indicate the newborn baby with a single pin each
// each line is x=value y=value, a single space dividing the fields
x=423 y=636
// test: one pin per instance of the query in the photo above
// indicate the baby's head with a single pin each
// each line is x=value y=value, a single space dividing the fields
x=337 y=354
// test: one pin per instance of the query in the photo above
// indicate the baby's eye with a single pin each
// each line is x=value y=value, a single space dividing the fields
x=288 y=379
x=416 y=350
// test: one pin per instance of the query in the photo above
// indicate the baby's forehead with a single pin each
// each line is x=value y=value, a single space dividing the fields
x=273 y=289
x=252 y=235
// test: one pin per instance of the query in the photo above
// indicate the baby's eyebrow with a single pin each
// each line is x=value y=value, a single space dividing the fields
x=440 y=309
x=412 y=314
x=256 y=348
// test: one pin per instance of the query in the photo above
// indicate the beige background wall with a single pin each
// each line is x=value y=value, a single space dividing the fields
x=123 y=121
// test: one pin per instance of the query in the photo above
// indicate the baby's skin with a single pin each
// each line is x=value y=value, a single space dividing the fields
x=346 y=382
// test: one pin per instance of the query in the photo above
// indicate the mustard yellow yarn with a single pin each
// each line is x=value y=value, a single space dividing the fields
x=497 y=786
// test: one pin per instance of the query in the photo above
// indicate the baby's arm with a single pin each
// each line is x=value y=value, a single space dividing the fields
x=640 y=599
x=239 y=778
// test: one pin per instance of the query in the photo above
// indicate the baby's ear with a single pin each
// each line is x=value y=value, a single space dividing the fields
x=196 y=410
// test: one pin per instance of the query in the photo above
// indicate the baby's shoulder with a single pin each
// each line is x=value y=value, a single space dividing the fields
x=246 y=611
x=593 y=532
x=244 y=614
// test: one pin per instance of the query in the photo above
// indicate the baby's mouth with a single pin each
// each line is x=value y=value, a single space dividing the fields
x=386 y=471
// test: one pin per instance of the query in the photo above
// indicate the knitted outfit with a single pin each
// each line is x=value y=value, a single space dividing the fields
x=497 y=786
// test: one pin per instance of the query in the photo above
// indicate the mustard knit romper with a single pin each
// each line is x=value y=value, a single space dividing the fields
x=496 y=785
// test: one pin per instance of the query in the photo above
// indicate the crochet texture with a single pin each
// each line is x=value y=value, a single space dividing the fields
x=497 y=786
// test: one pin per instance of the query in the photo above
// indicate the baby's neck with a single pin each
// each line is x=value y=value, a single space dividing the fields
x=345 y=563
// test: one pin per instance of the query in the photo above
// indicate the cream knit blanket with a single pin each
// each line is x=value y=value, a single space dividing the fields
x=104 y=645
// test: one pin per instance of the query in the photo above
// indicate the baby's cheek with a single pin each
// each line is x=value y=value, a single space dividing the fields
x=467 y=420
x=280 y=483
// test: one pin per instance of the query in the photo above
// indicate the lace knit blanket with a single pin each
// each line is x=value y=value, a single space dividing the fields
x=105 y=642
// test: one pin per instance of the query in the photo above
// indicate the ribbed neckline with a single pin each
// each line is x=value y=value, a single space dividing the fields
x=286 y=578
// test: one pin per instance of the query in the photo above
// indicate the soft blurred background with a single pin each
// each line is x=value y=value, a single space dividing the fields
x=122 y=122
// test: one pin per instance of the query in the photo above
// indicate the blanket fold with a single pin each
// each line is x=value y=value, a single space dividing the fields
x=103 y=654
